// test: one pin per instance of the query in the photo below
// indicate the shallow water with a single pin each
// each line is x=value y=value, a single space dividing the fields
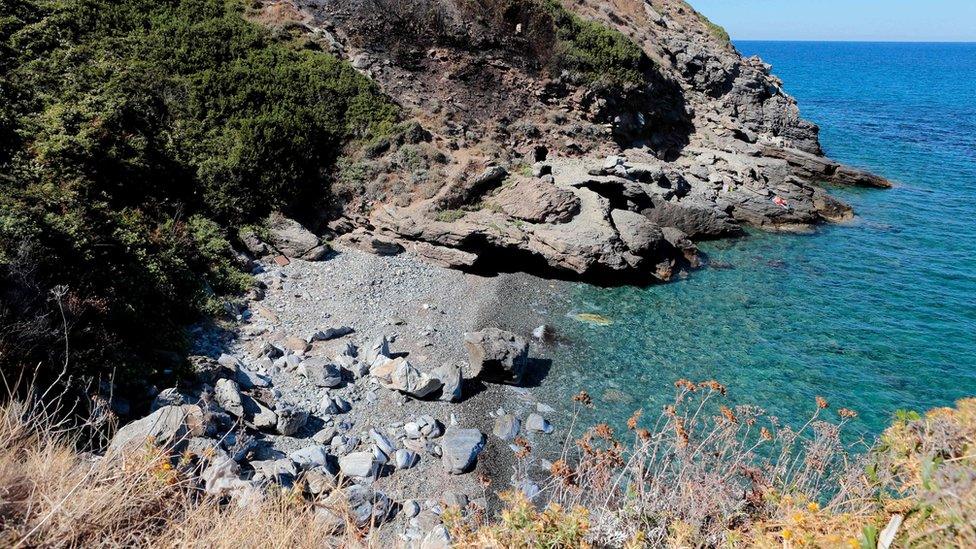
x=876 y=315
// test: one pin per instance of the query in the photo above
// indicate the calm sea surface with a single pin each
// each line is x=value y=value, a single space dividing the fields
x=876 y=315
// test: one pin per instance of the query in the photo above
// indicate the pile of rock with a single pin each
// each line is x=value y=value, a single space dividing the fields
x=227 y=419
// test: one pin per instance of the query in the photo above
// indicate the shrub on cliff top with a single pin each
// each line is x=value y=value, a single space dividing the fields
x=134 y=134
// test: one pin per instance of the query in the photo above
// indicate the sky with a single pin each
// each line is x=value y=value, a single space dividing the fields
x=864 y=20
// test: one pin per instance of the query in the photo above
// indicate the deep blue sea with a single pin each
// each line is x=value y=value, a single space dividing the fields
x=875 y=315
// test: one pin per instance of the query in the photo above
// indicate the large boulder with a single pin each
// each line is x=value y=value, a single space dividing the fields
x=636 y=231
x=399 y=375
x=460 y=448
x=291 y=239
x=538 y=201
x=497 y=355
x=228 y=396
x=170 y=428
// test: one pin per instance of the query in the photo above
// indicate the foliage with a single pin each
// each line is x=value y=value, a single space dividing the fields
x=706 y=475
x=134 y=136
x=594 y=52
x=450 y=216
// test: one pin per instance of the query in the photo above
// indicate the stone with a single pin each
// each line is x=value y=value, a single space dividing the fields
x=319 y=480
x=296 y=344
x=281 y=471
x=260 y=415
x=293 y=240
x=538 y=201
x=460 y=449
x=167 y=397
x=382 y=442
x=636 y=231
x=231 y=363
x=376 y=351
x=399 y=375
x=324 y=436
x=451 y=381
x=166 y=428
x=412 y=430
x=310 y=456
x=538 y=424
x=332 y=333
x=438 y=538
x=221 y=477
x=454 y=499
x=357 y=464
x=228 y=396
x=290 y=420
x=321 y=372
x=249 y=380
x=410 y=508
x=507 y=427
x=497 y=355
x=404 y=459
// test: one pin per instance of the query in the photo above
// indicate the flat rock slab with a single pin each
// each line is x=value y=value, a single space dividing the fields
x=461 y=448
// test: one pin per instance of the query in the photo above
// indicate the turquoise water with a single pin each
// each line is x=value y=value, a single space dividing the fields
x=876 y=315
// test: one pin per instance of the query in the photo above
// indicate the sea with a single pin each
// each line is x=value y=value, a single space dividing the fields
x=876 y=315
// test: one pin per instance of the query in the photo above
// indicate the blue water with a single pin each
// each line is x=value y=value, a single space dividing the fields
x=875 y=315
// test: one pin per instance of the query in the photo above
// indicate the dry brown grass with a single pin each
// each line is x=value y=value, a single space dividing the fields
x=53 y=496
x=700 y=475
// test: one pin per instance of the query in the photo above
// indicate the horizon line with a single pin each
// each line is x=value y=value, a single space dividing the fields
x=854 y=41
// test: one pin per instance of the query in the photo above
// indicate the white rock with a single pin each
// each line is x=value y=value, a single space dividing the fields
x=404 y=459
x=357 y=464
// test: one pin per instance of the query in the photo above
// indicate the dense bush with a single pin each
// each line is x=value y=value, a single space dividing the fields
x=134 y=135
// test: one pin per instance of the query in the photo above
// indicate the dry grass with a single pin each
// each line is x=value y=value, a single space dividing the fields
x=51 y=495
x=705 y=475
x=699 y=475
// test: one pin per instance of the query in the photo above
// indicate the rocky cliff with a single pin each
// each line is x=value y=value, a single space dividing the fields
x=594 y=139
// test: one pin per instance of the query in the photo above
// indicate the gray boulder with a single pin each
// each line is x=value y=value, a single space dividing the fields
x=507 y=427
x=310 y=456
x=357 y=464
x=460 y=448
x=538 y=424
x=451 y=380
x=497 y=355
x=290 y=420
x=291 y=239
x=169 y=427
x=228 y=396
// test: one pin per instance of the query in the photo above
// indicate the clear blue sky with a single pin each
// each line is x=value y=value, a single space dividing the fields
x=880 y=20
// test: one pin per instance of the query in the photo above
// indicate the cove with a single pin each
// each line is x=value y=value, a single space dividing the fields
x=876 y=315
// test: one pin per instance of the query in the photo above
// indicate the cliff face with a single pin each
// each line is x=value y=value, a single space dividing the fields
x=587 y=138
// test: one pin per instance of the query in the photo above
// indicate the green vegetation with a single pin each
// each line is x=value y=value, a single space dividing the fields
x=594 y=52
x=715 y=30
x=450 y=216
x=135 y=136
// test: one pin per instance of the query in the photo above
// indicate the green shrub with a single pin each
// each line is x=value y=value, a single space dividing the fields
x=593 y=51
x=135 y=136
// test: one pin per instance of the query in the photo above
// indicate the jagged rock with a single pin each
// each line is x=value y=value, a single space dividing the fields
x=451 y=380
x=507 y=427
x=460 y=448
x=290 y=420
x=206 y=369
x=228 y=396
x=169 y=427
x=537 y=201
x=497 y=355
x=222 y=477
x=291 y=239
x=639 y=234
x=260 y=415
x=398 y=374
x=371 y=242
x=295 y=344
x=357 y=464
x=231 y=363
x=321 y=372
x=378 y=350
